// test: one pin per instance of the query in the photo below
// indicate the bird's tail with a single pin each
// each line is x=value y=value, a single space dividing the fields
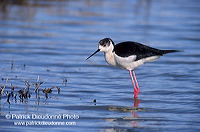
x=168 y=51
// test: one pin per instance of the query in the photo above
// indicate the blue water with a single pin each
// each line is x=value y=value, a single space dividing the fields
x=48 y=41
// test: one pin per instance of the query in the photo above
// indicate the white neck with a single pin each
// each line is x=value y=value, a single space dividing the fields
x=109 y=56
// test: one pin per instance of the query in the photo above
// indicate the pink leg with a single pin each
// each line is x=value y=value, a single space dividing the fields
x=131 y=75
x=135 y=84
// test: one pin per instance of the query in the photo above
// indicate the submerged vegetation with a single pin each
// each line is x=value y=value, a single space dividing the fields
x=25 y=93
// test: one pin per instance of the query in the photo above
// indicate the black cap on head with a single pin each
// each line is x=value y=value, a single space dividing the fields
x=105 y=41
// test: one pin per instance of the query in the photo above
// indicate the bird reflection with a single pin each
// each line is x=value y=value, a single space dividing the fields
x=134 y=113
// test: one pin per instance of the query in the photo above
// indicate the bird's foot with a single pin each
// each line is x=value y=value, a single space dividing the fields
x=136 y=91
x=136 y=102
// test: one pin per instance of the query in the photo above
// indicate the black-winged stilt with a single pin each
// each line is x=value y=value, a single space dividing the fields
x=129 y=55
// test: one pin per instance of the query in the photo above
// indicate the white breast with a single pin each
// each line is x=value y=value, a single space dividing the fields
x=129 y=63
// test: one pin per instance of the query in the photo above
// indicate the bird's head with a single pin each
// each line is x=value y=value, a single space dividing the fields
x=106 y=45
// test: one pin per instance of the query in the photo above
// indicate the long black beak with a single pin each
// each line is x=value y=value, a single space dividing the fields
x=93 y=54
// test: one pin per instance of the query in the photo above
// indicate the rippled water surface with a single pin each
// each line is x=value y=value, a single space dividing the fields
x=48 y=41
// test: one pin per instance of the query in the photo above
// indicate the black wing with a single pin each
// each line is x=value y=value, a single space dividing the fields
x=129 y=48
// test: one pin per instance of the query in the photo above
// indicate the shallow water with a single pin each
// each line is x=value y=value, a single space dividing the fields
x=52 y=39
